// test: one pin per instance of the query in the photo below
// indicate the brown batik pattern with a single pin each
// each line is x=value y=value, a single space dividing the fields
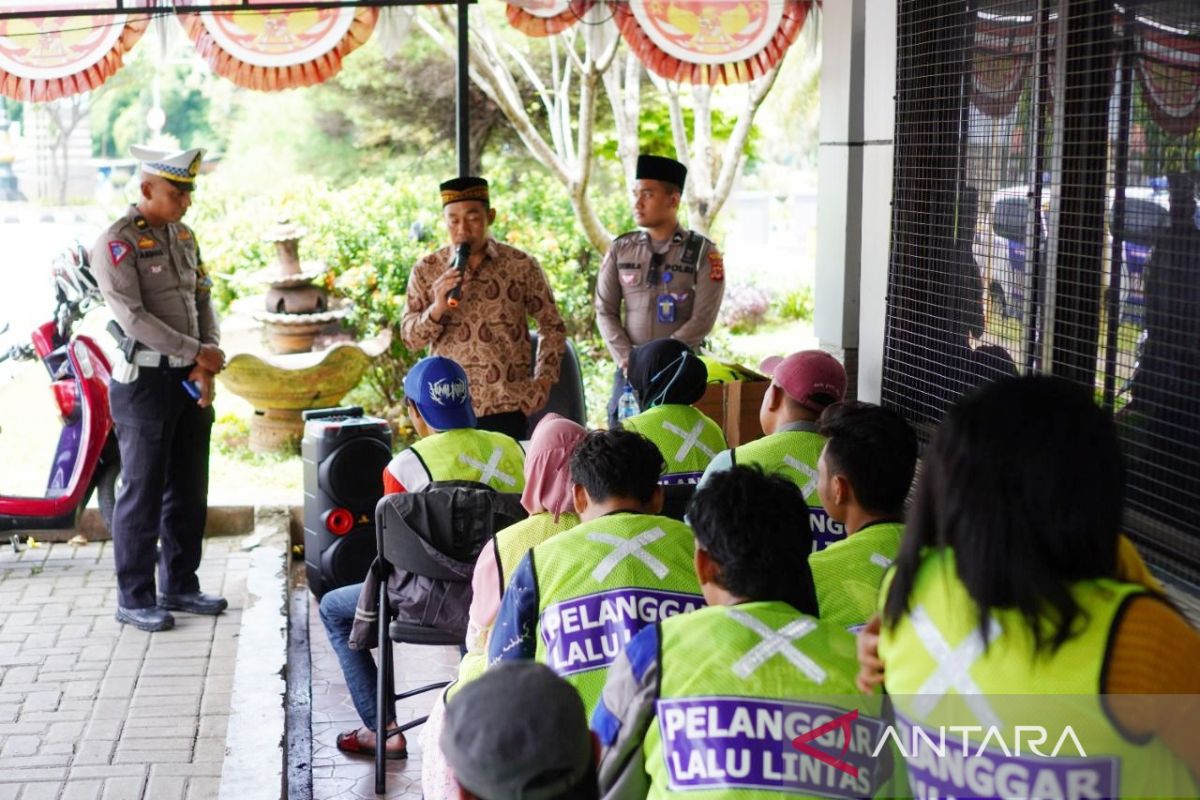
x=488 y=334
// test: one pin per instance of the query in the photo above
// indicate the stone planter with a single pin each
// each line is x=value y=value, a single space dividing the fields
x=280 y=387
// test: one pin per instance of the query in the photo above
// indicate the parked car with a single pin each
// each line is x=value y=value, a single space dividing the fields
x=1146 y=215
x=1000 y=251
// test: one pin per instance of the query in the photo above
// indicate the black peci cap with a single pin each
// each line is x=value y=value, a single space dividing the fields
x=468 y=188
x=658 y=168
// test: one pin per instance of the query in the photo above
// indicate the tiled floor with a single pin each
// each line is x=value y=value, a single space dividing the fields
x=339 y=776
x=91 y=708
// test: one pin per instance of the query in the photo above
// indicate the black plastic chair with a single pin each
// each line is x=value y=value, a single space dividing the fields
x=566 y=396
x=455 y=520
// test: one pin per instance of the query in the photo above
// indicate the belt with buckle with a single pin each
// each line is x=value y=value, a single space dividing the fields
x=153 y=358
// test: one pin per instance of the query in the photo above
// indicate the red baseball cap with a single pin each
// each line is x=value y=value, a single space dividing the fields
x=812 y=378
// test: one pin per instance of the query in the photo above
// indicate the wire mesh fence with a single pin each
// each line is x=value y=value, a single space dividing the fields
x=1047 y=164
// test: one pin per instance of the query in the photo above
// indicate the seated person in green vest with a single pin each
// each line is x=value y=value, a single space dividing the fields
x=802 y=386
x=1007 y=585
x=439 y=403
x=576 y=600
x=667 y=378
x=866 y=470
x=451 y=448
x=550 y=500
x=709 y=702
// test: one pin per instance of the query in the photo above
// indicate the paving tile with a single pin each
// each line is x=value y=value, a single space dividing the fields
x=104 y=730
x=15 y=746
x=65 y=731
x=42 y=791
x=106 y=771
x=164 y=787
x=151 y=756
x=93 y=752
x=30 y=775
x=123 y=789
x=211 y=749
x=114 y=711
x=16 y=764
x=207 y=769
x=129 y=742
x=203 y=788
x=82 y=790
x=213 y=725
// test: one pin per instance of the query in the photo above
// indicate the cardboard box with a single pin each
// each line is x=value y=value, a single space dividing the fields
x=734 y=406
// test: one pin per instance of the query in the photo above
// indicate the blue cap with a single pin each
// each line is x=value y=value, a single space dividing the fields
x=438 y=387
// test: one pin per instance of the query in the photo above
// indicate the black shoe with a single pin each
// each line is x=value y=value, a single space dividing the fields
x=146 y=619
x=193 y=603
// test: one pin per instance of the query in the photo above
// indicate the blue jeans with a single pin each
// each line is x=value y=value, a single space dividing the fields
x=358 y=667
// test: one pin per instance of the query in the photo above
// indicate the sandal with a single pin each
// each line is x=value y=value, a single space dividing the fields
x=348 y=742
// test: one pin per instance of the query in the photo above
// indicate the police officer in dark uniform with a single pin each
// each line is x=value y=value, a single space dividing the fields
x=149 y=269
x=671 y=280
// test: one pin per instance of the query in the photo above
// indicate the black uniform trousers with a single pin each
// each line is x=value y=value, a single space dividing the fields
x=510 y=423
x=163 y=501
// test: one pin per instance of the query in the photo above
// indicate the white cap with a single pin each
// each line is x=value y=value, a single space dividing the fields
x=180 y=167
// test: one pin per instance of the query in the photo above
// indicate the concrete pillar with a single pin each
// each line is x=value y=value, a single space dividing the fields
x=858 y=78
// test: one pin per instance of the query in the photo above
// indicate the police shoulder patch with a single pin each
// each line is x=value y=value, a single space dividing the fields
x=118 y=250
x=716 y=264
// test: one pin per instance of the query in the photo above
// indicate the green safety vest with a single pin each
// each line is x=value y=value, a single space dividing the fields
x=794 y=455
x=687 y=439
x=511 y=545
x=602 y=582
x=939 y=676
x=516 y=540
x=848 y=573
x=469 y=454
x=737 y=685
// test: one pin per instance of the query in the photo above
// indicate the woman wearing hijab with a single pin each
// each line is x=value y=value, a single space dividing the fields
x=1009 y=583
x=549 y=499
x=667 y=378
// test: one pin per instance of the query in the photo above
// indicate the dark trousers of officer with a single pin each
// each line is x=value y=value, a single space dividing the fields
x=510 y=423
x=163 y=436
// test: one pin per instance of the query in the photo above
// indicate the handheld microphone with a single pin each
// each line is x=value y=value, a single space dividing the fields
x=460 y=262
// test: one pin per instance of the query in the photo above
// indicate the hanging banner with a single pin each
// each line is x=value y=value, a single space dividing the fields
x=274 y=50
x=51 y=57
x=1168 y=69
x=710 y=41
x=1000 y=59
x=546 y=17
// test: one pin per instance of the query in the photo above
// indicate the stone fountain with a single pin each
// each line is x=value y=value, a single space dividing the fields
x=293 y=377
x=296 y=308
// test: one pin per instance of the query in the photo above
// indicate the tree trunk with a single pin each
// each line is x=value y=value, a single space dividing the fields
x=569 y=159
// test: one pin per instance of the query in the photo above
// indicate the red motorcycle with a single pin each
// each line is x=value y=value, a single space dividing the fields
x=87 y=459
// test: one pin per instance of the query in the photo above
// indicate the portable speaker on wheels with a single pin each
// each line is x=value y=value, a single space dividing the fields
x=344 y=455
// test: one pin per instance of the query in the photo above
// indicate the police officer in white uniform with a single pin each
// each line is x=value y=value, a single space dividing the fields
x=149 y=269
x=670 y=280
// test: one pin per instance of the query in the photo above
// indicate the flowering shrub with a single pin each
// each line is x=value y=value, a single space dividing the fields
x=744 y=308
